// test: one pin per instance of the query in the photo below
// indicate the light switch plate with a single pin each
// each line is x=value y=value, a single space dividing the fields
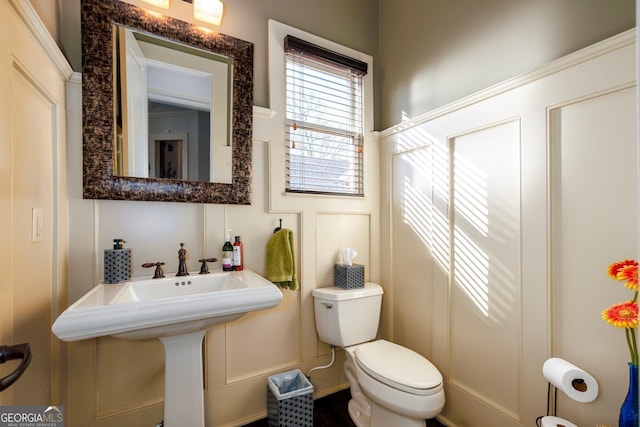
x=36 y=225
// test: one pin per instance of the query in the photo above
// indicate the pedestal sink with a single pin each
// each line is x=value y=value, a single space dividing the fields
x=176 y=310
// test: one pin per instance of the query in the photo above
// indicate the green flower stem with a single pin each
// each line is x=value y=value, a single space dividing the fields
x=634 y=354
x=635 y=346
x=631 y=342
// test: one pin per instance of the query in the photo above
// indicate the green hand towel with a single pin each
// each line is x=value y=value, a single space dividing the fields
x=281 y=262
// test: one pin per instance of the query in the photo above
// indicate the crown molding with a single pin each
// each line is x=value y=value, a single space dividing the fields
x=34 y=24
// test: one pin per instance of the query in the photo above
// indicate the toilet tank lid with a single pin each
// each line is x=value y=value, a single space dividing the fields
x=335 y=293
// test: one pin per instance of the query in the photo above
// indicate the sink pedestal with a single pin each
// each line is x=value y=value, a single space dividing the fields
x=183 y=391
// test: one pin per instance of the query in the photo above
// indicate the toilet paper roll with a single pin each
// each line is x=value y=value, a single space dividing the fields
x=576 y=383
x=556 y=422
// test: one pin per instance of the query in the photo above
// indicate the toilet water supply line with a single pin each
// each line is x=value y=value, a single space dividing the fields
x=333 y=359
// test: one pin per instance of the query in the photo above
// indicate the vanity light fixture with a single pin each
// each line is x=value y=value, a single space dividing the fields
x=208 y=11
x=160 y=3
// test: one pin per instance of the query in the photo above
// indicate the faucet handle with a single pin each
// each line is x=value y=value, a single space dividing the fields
x=204 y=269
x=158 y=274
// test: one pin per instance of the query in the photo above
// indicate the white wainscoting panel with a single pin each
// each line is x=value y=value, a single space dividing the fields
x=503 y=211
x=594 y=187
x=485 y=316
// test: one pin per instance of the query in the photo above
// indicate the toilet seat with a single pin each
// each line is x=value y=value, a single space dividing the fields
x=398 y=367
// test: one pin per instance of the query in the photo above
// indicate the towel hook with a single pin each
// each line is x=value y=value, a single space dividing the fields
x=278 y=228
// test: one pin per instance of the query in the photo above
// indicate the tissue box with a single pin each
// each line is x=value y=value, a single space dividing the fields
x=348 y=276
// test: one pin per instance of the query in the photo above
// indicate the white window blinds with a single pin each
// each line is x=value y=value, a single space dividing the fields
x=323 y=125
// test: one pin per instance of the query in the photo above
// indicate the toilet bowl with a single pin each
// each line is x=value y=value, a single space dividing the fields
x=391 y=385
x=402 y=387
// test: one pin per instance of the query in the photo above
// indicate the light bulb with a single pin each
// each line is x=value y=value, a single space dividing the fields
x=208 y=11
x=160 y=3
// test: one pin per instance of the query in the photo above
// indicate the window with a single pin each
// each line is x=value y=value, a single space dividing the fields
x=324 y=120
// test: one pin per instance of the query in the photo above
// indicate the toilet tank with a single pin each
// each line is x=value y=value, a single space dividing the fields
x=346 y=317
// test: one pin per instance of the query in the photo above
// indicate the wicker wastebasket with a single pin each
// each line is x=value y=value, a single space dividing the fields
x=289 y=400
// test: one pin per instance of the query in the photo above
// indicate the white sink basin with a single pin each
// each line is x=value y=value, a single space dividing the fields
x=176 y=310
x=153 y=308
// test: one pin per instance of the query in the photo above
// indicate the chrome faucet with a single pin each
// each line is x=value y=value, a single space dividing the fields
x=182 y=265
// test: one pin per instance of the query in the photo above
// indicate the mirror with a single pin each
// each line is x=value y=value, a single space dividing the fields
x=182 y=96
x=174 y=166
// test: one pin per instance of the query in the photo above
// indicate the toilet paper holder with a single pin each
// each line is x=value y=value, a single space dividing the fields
x=576 y=383
x=552 y=394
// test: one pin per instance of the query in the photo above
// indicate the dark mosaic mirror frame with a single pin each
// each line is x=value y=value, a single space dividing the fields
x=99 y=182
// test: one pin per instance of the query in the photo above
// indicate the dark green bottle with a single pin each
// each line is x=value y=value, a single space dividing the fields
x=227 y=253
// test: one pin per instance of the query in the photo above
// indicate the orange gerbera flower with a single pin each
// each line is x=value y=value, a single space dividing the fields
x=623 y=315
x=629 y=273
x=615 y=268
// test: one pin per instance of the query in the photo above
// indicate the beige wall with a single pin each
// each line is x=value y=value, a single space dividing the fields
x=502 y=220
x=433 y=52
x=114 y=382
x=352 y=23
x=230 y=372
x=428 y=53
x=32 y=175
x=49 y=12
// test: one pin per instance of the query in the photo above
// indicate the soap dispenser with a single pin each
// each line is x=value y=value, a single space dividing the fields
x=117 y=263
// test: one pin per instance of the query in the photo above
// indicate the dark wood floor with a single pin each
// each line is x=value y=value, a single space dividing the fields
x=331 y=411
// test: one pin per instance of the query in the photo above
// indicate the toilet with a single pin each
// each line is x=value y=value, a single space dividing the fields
x=390 y=384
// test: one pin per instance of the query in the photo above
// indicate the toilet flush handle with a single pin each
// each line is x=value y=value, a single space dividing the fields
x=327 y=304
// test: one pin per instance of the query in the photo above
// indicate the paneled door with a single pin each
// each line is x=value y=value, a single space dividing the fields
x=32 y=202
